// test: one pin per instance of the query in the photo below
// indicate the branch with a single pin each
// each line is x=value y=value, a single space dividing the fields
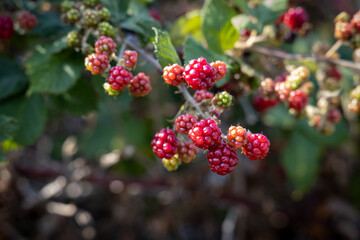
x=189 y=98
x=284 y=55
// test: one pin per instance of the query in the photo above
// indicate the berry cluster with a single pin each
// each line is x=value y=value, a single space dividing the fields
x=354 y=104
x=86 y=16
x=25 y=19
x=198 y=74
x=346 y=28
x=6 y=27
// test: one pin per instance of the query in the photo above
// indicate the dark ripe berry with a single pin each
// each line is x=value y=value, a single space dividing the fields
x=355 y=93
x=140 y=85
x=184 y=123
x=72 y=16
x=343 y=30
x=96 y=63
x=119 y=78
x=199 y=74
x=282 y=91
x=105 y=45
x=187 y=151
x=335 y=73
x=222 y=158
x=201 y=95
x=27 y=21
x=257 y=146
x=237 y=136
x=171 y=164
x=130 y=58
x=73 y=39
x=165 y=143
x=106 y=29
x=355 y=21
x=173 y=74
x=334 y=115
x=245 y=33
x=261 y=104
x=104 y=14
x=224 y=99
x=90 y=18
x=267 y=87
x=297 y=100
x=294 y=18
x=6 y=27
x=205 y=133
x=220 y=68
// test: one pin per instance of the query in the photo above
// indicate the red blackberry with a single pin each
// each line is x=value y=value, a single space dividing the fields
x=343 y=30
x=220 y=68
x=6 y=27
x=257 y=146
x=261 y=104
x=201 y=95
x=130 y=59
x=165 y=143
x=119 y=78
x=140 y=85
x=27 y=21
x=355 y=21
x=96 y=63
x=282 y=91
x=199 y=74
x=184 y=123
x=334 y=115
x=173 y=74
x=297 y=100
x=237 y=136
x=294 y=18
x=222 y=158
x=245 y=33
x=205 y=133
x=187 y=151
x=105 y=45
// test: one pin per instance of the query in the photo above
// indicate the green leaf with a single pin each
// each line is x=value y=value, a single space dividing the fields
x=12 y=78
x=193 y=50
x=80 y=99
x=118 y=9
x=31 y=115
x=188 y=25
x=8 y=127
x=141 y=24
x=244 y=21
x=266 y=12
x=300 y=159
x=49 y=24
x=217 y=28
x=164 y=50
x=54 y=73
x=3 y=159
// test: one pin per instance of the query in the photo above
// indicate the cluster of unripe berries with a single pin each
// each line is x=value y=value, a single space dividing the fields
x=293 y=88
x=117 y=77
x=206 y=134
x=25 y=20
x=198 y=74
x=86 y=15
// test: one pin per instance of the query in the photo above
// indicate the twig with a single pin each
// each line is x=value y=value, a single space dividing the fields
x=189 y=98
x=284 y=55
x=122 y=50
x=334 y=48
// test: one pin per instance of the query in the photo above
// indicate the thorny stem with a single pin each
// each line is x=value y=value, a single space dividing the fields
x=284 y=55
x=153 y=61
x=333 y=49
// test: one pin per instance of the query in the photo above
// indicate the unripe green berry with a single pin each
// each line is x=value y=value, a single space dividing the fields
x=224 y=99
x=172 y=164
x=66 y=6
x=106 y=29
x=91 y=3
x=72 y=16
x=74 y=39
x=90 y=18
x=355 y=93
x=104 y=14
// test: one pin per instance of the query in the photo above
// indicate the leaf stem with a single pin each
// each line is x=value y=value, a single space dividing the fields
x=334 y=48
